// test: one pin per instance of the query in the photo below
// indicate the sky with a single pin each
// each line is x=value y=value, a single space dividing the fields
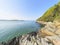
x=24 y=9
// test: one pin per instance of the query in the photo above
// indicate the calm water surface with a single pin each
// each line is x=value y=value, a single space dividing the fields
x=11 y=29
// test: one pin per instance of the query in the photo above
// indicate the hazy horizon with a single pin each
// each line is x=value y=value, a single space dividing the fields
x=24 y=9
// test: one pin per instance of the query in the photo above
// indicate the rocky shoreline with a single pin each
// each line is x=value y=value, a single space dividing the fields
x=45 y=36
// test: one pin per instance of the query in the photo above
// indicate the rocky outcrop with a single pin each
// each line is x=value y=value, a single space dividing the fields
x=45 y=36
x=51 y=31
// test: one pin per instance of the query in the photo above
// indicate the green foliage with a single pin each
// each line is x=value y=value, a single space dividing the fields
x=51 y=13
x=57 y=18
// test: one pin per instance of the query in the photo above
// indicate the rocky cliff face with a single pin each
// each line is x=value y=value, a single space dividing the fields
x=45 y=36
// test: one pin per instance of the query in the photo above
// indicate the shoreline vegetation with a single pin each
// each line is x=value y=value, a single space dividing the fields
x=53 y=13
x=49 y=31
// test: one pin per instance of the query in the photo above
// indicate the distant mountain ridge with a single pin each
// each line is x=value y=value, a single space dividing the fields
x=51 y=14
x=11 y=20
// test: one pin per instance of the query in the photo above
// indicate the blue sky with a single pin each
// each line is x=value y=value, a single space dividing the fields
x=24 y=9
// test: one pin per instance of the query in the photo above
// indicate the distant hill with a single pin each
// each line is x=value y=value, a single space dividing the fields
x=51 y=14
x=11 y=20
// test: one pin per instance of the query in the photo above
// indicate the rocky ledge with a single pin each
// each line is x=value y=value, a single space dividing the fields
x=45 y=36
